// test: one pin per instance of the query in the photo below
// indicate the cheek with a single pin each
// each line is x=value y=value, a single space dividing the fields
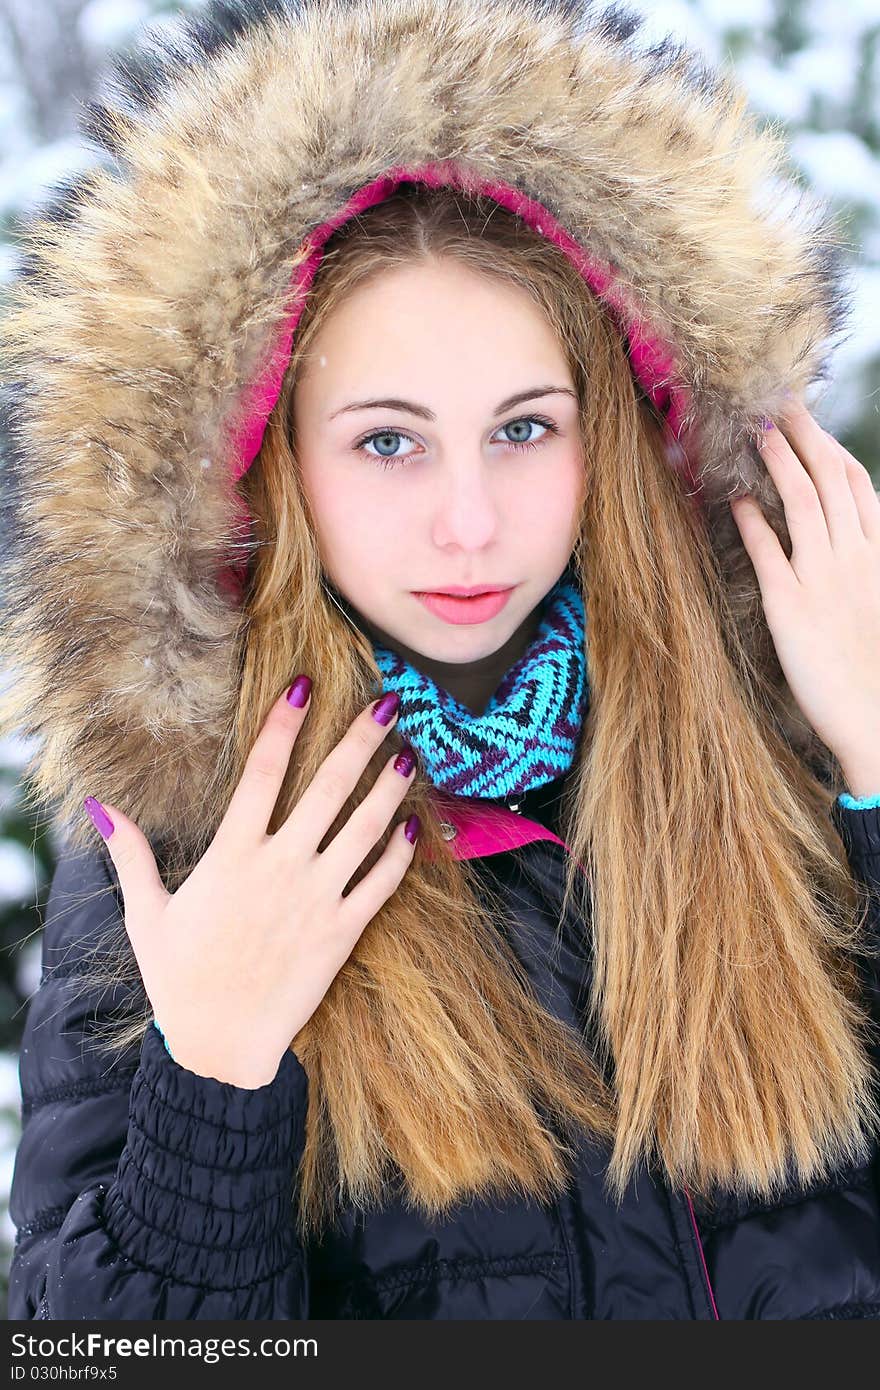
x=352 y=515
x=551 y=499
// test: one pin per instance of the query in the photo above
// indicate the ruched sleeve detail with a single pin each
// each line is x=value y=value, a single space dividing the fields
x=205 y=1184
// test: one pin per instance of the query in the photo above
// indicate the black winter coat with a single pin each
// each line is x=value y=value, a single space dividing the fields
x=151 y=1192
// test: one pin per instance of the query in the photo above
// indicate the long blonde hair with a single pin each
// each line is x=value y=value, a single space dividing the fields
x=724 y=1037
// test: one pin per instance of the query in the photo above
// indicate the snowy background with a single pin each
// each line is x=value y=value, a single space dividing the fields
x=810 y=66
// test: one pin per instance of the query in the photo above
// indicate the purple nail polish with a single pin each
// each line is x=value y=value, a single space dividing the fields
x=299 y=692
x=100 y=819
x=412 y=828
x=405 y=760
x=385 y=709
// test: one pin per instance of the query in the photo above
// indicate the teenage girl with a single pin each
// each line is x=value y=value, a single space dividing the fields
x=478 y=911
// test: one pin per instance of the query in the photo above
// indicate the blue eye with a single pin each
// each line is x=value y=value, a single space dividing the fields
x=384 y=461
x=395 y=461
x=530 y=420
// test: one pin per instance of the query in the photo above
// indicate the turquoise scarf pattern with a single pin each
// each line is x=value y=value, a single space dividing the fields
x=528 y=733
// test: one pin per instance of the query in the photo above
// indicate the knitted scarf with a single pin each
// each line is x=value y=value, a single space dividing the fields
x=527 y=734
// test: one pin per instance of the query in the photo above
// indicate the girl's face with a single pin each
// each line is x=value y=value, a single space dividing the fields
x=467 y=471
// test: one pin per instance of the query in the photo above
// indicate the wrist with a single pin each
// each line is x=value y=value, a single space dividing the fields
x=230 y=1072
x=862 y=774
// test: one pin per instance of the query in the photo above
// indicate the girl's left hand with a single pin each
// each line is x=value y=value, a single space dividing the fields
x=823 y=605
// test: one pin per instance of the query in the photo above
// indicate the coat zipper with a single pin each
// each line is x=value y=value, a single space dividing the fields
x=702 y=1255
x=513 y=805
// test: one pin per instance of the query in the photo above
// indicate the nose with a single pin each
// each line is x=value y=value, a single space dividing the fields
x=466 y=512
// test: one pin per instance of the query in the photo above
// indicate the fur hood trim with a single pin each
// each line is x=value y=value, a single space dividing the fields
x=149 y=320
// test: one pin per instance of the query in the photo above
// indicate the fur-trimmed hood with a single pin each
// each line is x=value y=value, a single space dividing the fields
x=150 y=319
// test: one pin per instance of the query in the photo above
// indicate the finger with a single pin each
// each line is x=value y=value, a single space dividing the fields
x=253 y=800
x=813 y=453
x=369 y=821
x=804 y=515
x=143 y=891
x=867 y=497
x=375 y=888
x=337 y=777
x=764 y=548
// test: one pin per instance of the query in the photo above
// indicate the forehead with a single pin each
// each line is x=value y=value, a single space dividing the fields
x=417 y=335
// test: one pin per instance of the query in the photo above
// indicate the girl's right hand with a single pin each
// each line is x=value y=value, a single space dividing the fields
x=239 y=958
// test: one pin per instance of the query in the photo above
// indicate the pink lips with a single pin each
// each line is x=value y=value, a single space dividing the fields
x=466 y=610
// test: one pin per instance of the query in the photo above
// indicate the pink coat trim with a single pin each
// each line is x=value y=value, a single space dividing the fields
x=483 y=829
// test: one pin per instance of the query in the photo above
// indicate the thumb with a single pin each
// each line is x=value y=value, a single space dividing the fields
x=133 y=859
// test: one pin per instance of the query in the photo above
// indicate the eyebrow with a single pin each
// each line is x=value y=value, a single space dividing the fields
x=395 y=404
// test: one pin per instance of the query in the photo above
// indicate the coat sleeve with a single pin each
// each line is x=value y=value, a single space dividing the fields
x=858 y=823
x=141 y=1189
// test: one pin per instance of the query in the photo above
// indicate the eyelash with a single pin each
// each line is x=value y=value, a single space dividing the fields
x=403 y=462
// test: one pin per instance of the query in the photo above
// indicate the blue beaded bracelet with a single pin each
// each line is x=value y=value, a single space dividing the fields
x=863 y=803
x=164 y=1039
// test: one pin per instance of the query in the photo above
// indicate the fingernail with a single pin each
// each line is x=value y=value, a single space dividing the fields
x=405 y=760
x=767 y=425
x=412 y=828
x=298 y=693
x=99 y=817
x=385 y=709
